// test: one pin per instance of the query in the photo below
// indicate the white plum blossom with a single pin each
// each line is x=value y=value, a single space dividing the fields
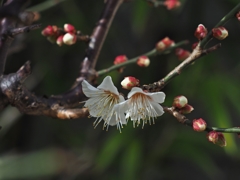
x=141 y=106
x=101 y=102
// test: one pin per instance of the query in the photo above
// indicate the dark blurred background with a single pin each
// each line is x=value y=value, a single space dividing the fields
x=36 y=147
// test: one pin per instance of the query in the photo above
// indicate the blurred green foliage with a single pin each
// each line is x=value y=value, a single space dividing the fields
x=44 y=148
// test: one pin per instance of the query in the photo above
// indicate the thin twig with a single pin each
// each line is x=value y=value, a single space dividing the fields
x=182 y=119
x=196 y=54
x=151 y=53
x=14 y=32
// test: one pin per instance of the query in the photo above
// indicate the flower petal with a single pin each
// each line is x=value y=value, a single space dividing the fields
x=158 y=108
x=107 y=84
x=88 y=89
x=121 y=107
x=158 y=97
x=135 y=90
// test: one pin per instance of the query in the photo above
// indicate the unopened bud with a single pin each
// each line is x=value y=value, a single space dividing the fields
x=69 y=28
x=49 y=31
x=171 y=4
x=120 y=59
x=199 y=125
x=164 y=44
x=238 y=15
x=143 y=61
x=216 y=138
x=180 y=102
x=59 y=40
x=186 y=109
x=182 y=54
x=200 y=32
x=129 y=82
x=194 y=45
x=220 y=32
x=69 y=39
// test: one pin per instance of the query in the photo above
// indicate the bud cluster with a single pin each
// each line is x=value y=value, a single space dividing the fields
x=54 y=34
x=181 y=103
x=219 y=33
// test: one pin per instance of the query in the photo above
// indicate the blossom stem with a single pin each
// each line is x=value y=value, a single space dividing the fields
x=223 y=21
x=182 y=119
x=198 y=52
x=151 y=53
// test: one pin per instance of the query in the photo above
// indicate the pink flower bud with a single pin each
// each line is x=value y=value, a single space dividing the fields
x=171 y=4
x=199 y=125
x=216 y=138
x=143 y=61
x=164 y=44
x=200 y=32
x=238 y=15
x=180 y=102
x=186 y=109
x=182 y=54
x=120 y=59
x=69 y=28
x=60 y=40
x=69 y=39
x=220 y=33
x=49 y=31
x=194 y=45
x=129 y=82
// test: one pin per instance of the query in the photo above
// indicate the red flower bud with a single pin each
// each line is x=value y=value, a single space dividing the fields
x=180 y=102
x=171 y=4
x=69 y=28
x=164 y=44
x=69 y=39
x=120 y=59
x=182 y=54
x=186 y=109
x=194 y=45
x=216 y=138
x=220 y=33
x=199 y=125
x=238 y=15
x=129 y=82
x=143 y=61
x=60 y=40
x=200 y=32
x=49 y=31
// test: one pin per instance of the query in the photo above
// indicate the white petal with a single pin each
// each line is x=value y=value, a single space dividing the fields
x=121 y=98
x=158 y=108
x=93 y=110
x=118 y=118
x=158 y=97
x=135 y=90
x=107 y=84
x=121 y=107
x=88 y=89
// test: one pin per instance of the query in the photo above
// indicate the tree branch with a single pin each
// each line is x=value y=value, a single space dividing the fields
x=183 y=120
x=196 y=54
x=151 y=53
